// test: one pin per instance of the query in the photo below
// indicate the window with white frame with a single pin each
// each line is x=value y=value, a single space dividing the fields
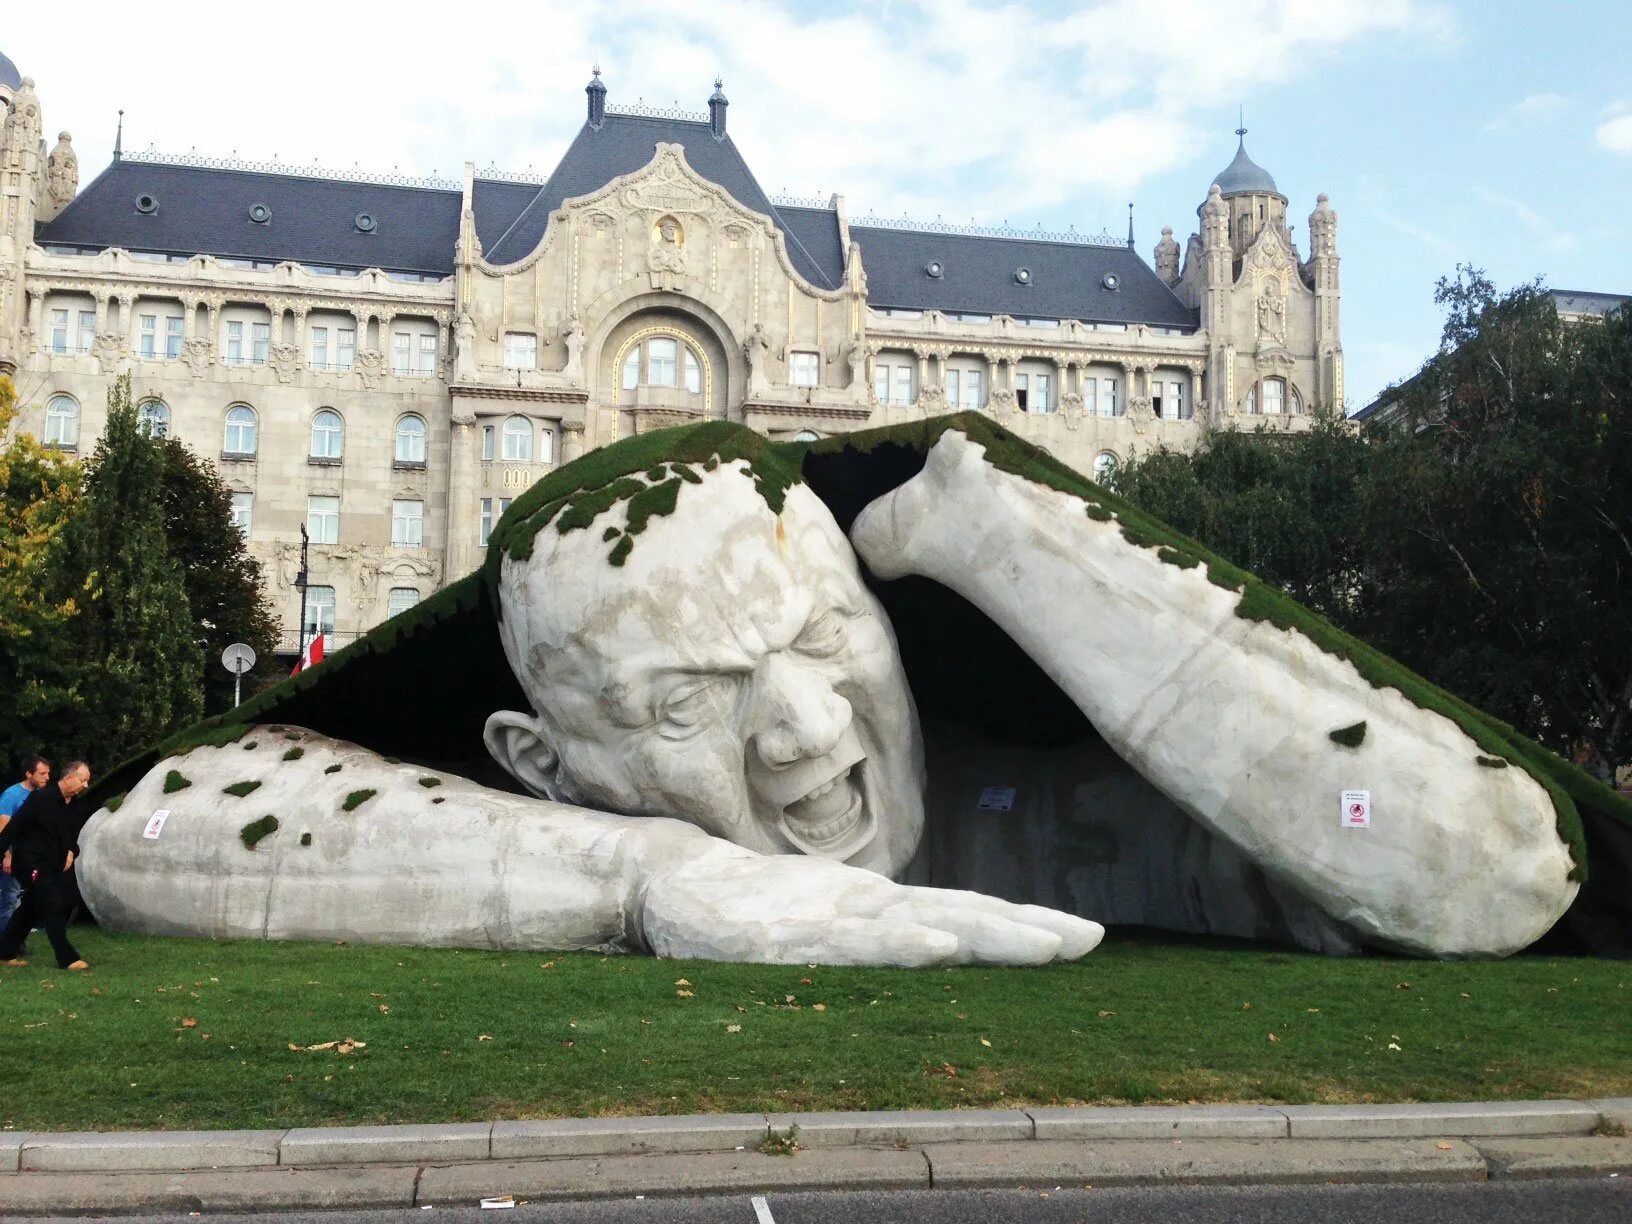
x=328 y=435
x=1168 y=401
x=965 y=385
x=894 y=379
x=1273 y=401
x=408 y=523
x=1101 y=394
x=153 y=418
x=158 y=333
x=248 y=341
x=804 y=369
x=72 y=328
x=493 y=509
x=413 y=350
x=241 y=430
x=323 y=520
x=332 y=341
x=1033 y=388
x=546 y=444
x=243 y=510
x=518 y=440
x=489 y=442
x=61 y=421
x=410 y=438
x=520 y=351
x=662 y=361
x=319 y=613
x=400 y=600
x=1105 y=465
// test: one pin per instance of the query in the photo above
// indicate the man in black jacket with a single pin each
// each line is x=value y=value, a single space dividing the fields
x=43 y=840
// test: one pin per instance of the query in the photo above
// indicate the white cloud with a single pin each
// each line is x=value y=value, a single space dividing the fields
x=998 y=111
x=1543 y=231
x=1532 y=109
x=1615 y=135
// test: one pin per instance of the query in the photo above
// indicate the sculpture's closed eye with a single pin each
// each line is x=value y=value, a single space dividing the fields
x=823 y=636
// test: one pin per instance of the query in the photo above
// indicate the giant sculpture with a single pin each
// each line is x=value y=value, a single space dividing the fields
x=675 y=654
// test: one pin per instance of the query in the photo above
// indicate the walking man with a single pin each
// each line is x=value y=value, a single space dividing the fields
x=42 y=838
x=36 y=773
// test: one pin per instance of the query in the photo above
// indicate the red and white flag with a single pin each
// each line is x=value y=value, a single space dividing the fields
x=311 y=657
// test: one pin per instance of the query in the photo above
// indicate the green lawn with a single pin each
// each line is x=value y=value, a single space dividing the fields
x=183 y=1033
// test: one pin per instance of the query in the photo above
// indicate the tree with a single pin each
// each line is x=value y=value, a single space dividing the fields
x=143 y=672
x=225 y=589
x=38 y=493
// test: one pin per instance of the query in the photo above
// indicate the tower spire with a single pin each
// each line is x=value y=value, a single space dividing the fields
x=119 y=137
x=1130 y=225
x=1241 y=126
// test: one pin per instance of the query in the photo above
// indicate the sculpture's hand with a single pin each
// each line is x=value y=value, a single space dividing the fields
x=733 y=905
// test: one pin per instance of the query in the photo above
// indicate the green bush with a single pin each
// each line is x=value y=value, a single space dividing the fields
x=357 y=798
x=255 y=830
x=173 y=782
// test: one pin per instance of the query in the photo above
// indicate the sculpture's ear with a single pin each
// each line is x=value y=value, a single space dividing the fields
x=520 y=744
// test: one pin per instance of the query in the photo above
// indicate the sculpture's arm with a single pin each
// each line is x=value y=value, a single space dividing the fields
x=1232 y=717
x=376 y=851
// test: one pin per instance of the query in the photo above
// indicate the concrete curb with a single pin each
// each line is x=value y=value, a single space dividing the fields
x=386 y=1166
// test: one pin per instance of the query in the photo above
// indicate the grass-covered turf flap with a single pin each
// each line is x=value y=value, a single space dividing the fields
x=1351 y=736
x=357 y=798
x=173 y=782
x=240 y=789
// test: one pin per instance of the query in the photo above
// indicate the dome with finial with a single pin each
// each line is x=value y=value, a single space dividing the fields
x=1243 y=174
x=10 y=78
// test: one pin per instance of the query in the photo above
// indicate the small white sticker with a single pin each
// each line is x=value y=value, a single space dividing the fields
x=997 y=799
x=1356 y=809
x=155 y=824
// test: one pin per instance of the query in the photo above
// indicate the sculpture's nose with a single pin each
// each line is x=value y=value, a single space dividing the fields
x=797 y=715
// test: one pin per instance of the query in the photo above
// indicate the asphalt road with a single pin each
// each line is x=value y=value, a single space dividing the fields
x=1607 y=1199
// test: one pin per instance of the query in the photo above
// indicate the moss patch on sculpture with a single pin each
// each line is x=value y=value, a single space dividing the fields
x=1351 y=736
x=305 y=839
x=294 y=754
x=427 y=783
x=357 y=798
x=333 y=769
x=114 y=804
x=173 y=782
x=255 y=830
x=240 y=789
x=1492 y=762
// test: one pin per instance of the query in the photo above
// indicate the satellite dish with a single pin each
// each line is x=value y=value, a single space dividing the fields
x=238 y=658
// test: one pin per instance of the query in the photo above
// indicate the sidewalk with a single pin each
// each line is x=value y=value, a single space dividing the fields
x=457 y=1165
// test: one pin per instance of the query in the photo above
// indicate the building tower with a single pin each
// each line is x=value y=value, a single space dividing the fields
x=1253 y=201
x=22 y=165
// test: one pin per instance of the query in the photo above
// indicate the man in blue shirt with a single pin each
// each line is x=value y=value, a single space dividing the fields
x=36 y=773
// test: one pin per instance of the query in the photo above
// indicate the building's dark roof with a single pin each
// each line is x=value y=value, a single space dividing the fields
x=1581 y=302
x=978 y=276
x=205 y=211
x=9 y=76
x=622 y=145
x=1244 y=174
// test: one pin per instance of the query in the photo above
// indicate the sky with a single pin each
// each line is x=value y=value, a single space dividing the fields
x=1491 y=132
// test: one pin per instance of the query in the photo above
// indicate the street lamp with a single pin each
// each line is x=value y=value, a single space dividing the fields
x=300 y=582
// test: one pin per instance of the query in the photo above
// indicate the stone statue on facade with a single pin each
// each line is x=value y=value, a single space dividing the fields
x=574 y=340
x=666 y=258
x=62 y=171
x=727 y=761
x=756 y=349
x=1271 y=316
x=464 y=346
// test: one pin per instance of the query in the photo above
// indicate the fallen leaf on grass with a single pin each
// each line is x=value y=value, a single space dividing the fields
x=1403 y=986
x=1392 y=1046
x=547 y=965
x=385 y=1009
x=740 y=1008
x=1103 y=1014
x=1272 y=1037
x=818 y=1007
x=344 y=1046
x=1444 y=1147
x=1246 y=1007
x=188 y=1022
x=483 y=1037
x=682 y=982
x=808 y=982
x=733 y=1028
x=684 y=994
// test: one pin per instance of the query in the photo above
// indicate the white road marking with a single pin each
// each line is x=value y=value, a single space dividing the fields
x=762 y=1210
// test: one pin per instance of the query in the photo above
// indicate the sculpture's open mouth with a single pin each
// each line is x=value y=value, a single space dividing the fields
x=833 y=820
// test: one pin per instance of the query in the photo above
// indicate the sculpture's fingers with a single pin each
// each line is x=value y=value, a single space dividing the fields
x=983 y=938
x=859 y=941
x=1078 y=936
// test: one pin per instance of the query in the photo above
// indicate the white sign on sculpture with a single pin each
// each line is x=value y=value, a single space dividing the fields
x=155 y=824
x=996 y=799
x=1356 y=809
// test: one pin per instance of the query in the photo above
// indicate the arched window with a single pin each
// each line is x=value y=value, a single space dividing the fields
x=1105 y=465
x=411 y=439
x=518 y=439
x=401 y=599
x=153 y=418
x=62 y=421
x=807 y=435
x=663 y=361
x=240 y=430
x=328 y=434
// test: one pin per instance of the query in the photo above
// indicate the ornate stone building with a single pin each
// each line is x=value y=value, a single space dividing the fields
x=390 y=361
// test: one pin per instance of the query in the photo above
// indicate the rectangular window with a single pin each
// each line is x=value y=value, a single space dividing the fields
x=427 y=356
x=172 y=336
x=401 y=599
x=1110 y=404
x=148 y=346
x=235 y=340
x=87 y=330
x=408 y=523
x=881 y=383
x=971 y=389
x=243 y=511
x=1022 y=391
x=345 y=347
x=952 y=381
x=402 y=350
x=520 y=351
x=1090 y=397
x=1274 y=395
x=489 y=435
x=323 y=519
x=59 y=331
x=261 y=335
x=492 y=511
x=804 y=369
x=660 y=362
x=319 y=613
x=902 y=385
x=320 y=348
x=1043 y=393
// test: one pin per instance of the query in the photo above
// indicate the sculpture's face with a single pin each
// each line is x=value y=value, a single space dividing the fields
x=734 y=672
